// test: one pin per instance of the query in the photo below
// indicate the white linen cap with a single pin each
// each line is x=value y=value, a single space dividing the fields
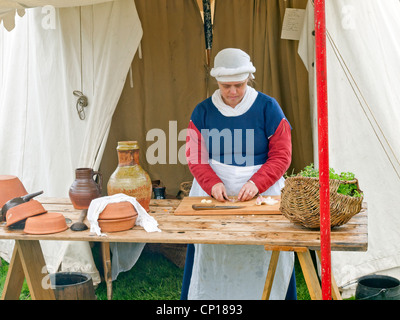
x=232 y=65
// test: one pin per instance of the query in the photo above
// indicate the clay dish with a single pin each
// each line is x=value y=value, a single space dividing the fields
x=10 y=187
x=24 y=211
x=114 y=225
x=118 y=210
x=51 y=222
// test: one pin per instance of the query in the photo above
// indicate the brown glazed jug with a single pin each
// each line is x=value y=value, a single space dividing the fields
x=84 y=188
x=129 y=177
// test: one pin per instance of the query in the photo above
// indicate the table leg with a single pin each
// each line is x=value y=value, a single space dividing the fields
x=270 y=275
x=27 y=261
x=307 y=267
x=310 y=275
x=15 y=278
x=105 y=253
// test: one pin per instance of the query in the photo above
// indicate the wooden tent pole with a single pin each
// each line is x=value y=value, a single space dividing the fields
x=323 y=151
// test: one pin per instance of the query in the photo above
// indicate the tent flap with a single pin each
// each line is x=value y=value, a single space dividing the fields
x=363 y=99
x=9 y=8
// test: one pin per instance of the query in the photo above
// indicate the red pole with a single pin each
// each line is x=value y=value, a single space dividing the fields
x=323 y=151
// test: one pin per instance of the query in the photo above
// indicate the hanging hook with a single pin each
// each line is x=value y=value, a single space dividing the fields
x=81 y=103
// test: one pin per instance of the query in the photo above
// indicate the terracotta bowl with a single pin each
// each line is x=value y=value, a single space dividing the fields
x=24 y=211
x=50 y=222
x=114 y=225
x=118 y=210
x=10 y=187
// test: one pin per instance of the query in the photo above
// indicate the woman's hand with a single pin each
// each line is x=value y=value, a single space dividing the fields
x=248 y=191
x=218 y=191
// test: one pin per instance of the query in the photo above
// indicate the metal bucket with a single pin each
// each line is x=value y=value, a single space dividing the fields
x=378 y=287
x=72 y=286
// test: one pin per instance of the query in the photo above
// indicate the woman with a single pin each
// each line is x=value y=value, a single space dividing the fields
x=238 y=144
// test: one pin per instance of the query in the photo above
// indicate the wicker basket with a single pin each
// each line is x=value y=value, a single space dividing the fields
x=300 y=202
x=174 y=252
x=184 y=189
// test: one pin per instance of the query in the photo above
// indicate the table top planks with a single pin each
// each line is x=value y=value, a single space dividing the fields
x=240 y=229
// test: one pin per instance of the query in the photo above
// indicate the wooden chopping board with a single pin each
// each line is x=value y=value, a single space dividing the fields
x=249 y=207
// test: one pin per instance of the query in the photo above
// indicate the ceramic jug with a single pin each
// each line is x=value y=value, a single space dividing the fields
x=129 y=177
x=84 y=188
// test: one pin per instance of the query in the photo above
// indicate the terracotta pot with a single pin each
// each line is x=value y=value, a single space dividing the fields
x=16 y=202
x=129 y=177
x=10 y=187
x=51 y=222
x=118 y=216
x=23 y=211
x=84 y=188
x=114 y=225
x=118 y=210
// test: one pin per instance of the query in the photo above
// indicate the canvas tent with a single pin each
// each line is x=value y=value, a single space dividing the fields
x=363 y=83
x=94 y=49
x=81 y=53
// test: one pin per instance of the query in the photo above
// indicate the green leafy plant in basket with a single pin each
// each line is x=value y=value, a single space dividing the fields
x=350 y=189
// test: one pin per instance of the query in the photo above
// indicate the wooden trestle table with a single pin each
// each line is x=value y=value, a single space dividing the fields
x=273 y=231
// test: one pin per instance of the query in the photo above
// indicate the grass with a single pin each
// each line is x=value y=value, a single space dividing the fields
x=152 y=278
x=25 y=295
x=301 y=287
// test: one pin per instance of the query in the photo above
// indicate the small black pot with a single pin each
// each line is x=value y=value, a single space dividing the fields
x=378 y=287
x=159 y=192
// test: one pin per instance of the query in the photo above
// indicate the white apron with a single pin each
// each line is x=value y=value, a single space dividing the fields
x=236 y=271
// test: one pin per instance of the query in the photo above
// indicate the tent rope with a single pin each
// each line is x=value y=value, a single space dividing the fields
x=357 y=91
x=82 y=101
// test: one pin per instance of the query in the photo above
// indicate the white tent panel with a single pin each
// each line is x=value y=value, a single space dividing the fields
x=363 y=99
x=42 y=139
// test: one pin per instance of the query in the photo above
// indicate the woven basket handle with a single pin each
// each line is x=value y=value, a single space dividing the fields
x=334 y=184
x=354 y=181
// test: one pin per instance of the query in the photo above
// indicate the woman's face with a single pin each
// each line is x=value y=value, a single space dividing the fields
x=232 y=92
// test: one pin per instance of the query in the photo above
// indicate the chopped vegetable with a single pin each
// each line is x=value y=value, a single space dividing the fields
x=268 y=200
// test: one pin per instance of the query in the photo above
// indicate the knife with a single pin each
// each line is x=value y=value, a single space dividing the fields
x=213 y=207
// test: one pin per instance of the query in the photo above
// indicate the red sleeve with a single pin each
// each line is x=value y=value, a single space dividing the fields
x=279 y=158
x=197 y=158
